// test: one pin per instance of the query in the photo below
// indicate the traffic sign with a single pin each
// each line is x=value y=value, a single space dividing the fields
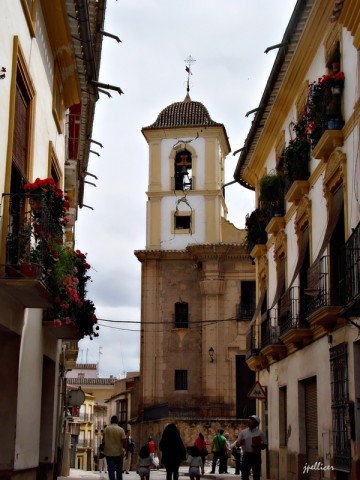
x=257 y=392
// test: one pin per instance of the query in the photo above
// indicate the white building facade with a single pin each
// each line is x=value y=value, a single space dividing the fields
x=303 y=341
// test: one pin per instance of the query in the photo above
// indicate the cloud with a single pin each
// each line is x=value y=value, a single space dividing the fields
x=227 y=40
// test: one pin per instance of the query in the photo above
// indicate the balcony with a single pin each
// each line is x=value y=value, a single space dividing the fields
x=351 y=282
x=295 y=332
x=322 y=298
x=271 y=345
x=23 y=273
x=254 y=358
x=244 y=311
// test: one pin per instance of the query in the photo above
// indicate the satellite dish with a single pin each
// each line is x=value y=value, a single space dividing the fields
x=75 y=398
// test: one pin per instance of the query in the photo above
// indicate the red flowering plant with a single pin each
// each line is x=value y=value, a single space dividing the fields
x=45 y=194
x=332 y=80
x=67 y=271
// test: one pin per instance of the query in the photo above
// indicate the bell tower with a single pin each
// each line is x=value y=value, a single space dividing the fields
x=187 y=150
x=192 y=268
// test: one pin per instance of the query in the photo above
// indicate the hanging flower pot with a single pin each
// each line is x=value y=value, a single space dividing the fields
x=30 y=270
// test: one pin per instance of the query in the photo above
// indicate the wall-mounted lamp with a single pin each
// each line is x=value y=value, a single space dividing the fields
x=211 y=354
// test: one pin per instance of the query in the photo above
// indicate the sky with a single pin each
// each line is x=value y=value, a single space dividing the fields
x=227 y=39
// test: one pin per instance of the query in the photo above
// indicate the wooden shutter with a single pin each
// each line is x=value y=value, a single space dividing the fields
x=20 y=140
x=311 y=425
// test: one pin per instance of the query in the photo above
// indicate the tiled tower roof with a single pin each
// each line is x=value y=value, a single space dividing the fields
x=184 y=114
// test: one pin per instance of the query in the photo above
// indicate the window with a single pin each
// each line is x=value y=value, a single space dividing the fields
x=181 y=315
x=181 y=380
x=283 y=416
x=23 y=118
x=247 y=300
x=122 y=411
x=183 y=222
x=183 y=171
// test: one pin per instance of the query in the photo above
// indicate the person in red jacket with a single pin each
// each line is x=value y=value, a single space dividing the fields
x=200 y=443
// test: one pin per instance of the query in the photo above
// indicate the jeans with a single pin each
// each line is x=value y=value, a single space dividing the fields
x=115 y=465
x=251 y=461
x=222 y=457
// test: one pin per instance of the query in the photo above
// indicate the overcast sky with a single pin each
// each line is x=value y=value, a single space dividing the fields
x=227 y=39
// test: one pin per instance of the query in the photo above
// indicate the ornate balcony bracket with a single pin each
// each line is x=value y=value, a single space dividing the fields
x=275 y=225
x=324 y=320
x=297 y=191
x=64 y=332
x=274 y=352
x=256 y=362
x=29 y=292
x=329 y=140
x=258 y=251
x=296 y=338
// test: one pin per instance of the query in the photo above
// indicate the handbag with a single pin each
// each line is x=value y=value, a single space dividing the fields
x=204 y=452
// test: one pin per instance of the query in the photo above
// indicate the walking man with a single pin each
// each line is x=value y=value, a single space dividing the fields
x=115 y=446
x=252 y=440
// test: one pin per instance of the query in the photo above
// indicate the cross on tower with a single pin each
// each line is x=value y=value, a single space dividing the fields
x=188 y=62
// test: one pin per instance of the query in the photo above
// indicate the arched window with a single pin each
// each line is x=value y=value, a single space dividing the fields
x=183 y=170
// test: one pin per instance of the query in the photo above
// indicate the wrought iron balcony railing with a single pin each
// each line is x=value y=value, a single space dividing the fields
x=323 y=290
x=252 y=341
x=30 y=223
x=244 y=311
x=351 y=281
x=270 y=331
x=291 y=312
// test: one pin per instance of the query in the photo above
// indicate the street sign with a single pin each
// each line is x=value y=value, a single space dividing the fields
x=257 y=392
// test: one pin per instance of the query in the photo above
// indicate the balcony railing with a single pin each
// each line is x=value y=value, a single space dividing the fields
x=85 y=443
x=290 y=316
x=25 y=234
x=86 y=417
x=270 y=331
x=351 y=281
x=252 y=341
x=321 y=292
x=244 y=311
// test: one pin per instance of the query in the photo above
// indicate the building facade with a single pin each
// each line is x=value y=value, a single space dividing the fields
x=198 y=282
x=303 y=148
x=50 y=53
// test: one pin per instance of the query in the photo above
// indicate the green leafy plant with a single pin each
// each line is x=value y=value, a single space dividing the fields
x=272 y=188
x=255 y=223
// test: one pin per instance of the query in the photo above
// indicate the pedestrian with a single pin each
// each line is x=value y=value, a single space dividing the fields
x=195 y=462
x=236 y=453
x=131 y=449
x=102 y=459
x=200 y=443
x=252 y=440
x=152 y=446
x=227 y=451
x=144 y=462
x=219 y=452
x=173 y=451
x=115 y=448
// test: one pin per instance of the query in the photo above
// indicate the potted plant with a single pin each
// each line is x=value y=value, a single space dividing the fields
x=255 y=223
x=272 y=188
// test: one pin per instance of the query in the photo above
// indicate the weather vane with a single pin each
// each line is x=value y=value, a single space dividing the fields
x=188 y=62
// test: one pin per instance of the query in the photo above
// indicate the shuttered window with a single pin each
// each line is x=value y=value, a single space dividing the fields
x=21 y=129
x=311 y=426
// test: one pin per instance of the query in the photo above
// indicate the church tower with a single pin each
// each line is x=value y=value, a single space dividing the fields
x=197 y=278
x=186 y=174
